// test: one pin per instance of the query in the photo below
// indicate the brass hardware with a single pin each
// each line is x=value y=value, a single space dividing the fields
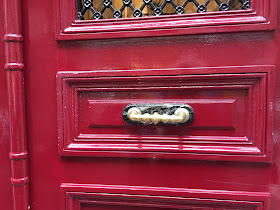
x=181 y=115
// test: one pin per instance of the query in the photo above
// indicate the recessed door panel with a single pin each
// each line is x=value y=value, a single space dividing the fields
x=108 y=197
x=228 y=115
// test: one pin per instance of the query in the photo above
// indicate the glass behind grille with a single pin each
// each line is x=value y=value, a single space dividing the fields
x=107 y=9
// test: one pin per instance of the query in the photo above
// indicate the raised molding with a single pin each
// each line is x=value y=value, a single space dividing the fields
x=78 y=196
x=261 y=16
x=18 y=155
x=247 y=140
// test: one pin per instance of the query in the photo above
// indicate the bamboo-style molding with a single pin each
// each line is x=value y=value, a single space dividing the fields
x=15 y=85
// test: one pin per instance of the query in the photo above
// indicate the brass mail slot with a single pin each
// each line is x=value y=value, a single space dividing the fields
x=171 y=114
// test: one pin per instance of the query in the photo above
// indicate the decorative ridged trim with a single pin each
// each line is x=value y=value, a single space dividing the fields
x=18 y=156
x=74 y=196
x=13 y=38
x=14 y=66
x=15 y=85
x=19 y=182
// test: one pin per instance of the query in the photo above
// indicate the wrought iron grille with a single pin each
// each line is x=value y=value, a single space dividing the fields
x=106 y=9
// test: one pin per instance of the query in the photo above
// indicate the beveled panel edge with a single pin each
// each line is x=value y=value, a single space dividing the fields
x=261 y=16
x=264 y=156
x=73 y=195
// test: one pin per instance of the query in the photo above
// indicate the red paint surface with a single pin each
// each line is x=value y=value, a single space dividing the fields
x=127 y=197
x=57 y=181
x=99 y=111
x=6 y=197
x=16 y=103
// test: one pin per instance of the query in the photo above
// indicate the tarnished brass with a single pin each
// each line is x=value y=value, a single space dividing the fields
x=181 y=115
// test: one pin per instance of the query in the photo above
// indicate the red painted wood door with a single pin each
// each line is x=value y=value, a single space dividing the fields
x=81 y=153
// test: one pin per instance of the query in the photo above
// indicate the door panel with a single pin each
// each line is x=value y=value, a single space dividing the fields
x=256 y=16
x=229 y=114
x=81 y=74
x=148 y=198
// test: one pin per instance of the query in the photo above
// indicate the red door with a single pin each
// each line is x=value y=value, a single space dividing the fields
x=142 y=104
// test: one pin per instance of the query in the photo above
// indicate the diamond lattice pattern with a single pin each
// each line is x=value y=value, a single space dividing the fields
x=106 y=9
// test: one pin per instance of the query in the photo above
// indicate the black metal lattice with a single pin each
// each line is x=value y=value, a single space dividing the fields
x=157 y=8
